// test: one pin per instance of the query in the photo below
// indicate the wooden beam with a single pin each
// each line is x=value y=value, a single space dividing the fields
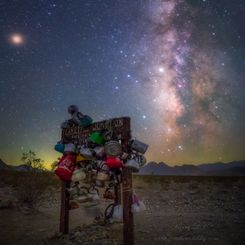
x=64 y=208
x=128 y=221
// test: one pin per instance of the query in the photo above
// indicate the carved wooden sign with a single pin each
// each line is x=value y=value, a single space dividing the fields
x=77 y=134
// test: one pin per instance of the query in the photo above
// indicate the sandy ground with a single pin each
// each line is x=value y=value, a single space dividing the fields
x=193 y=212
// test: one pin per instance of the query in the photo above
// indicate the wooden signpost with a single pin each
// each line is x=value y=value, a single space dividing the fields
x=78 y=135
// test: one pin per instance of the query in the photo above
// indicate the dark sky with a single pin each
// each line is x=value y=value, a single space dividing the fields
x=175 y=67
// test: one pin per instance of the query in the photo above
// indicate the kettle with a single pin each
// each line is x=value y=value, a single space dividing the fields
x=113 y=162
x=97 y=137
x=59 y=147
x=66 y=167
x=133 y=164
x=138 y=146
x=113 y=148
x=78 y=175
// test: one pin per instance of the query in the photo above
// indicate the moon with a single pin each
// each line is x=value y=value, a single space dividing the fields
x=17 y=39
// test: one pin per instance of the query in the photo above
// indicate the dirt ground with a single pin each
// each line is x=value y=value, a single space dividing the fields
x=194 y=211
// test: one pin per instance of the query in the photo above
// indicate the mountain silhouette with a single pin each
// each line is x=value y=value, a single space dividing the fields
x=235 y=168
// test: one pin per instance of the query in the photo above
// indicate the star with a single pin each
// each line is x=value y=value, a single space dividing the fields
x=16 y=39
x=161 y=69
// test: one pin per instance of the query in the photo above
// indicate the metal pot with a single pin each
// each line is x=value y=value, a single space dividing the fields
x=87 y=153
x=113 y=148
x=133 y=164
x=80 y=158
x=59 y=147
x=140 y=159
x=97 y=137
x=72 y=109
x=85 y=121
x=65 y=124
x=78 y=175
x=70 y=148
x=99 y=151
x=138 y=146
x=76 y=117
x=66 y=167
x=113 y=162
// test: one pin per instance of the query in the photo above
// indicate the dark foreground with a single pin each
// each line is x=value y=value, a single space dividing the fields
x=180 y=210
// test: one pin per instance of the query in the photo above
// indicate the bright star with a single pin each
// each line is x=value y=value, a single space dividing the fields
x=161 y=69
x=16 y=39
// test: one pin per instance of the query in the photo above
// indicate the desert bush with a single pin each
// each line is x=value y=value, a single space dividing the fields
x=32 y=186
x=31 y=160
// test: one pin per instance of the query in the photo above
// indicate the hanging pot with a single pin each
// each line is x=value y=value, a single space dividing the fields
x=85 y=121
x=76 y=117
x=99 y=151
x=113 y=162
x=140 y=159
x=97 y=137
x=113 y=148
x=78 y=175
x=65 y=125
x=80 y=158
x=59 y=147
x=87 y=153
x=138 y=146
x=70 y=148
x=133 y=164
x=72 y=109
x=66 y=167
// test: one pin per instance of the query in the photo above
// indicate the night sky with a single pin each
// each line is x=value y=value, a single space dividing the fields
x=176 y=67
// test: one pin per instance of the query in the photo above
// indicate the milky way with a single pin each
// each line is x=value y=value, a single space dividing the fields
x=189 y=90
x=176 y=67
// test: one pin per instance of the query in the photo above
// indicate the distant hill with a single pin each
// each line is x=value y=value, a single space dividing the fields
x=22 y=167
x=3 y=165
x=236 y=168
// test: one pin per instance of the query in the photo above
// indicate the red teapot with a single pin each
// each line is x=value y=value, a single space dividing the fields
x=66 y=166
x=113 y=162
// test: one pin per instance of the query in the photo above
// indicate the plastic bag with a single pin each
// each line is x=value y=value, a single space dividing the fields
x=138 y=205
x=117 y=213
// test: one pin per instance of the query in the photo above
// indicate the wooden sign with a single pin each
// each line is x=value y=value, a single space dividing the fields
x=78 y=135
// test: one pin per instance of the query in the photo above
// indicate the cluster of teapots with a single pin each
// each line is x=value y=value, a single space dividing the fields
x=102 y=155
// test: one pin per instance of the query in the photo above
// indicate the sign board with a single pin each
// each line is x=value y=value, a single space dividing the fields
x=78 y=135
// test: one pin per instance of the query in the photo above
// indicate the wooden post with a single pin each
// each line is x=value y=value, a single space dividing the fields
x=127 y=192
x=64 y=208
x=128 y=221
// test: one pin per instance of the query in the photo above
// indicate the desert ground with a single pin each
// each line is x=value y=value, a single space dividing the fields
x=180 y=210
